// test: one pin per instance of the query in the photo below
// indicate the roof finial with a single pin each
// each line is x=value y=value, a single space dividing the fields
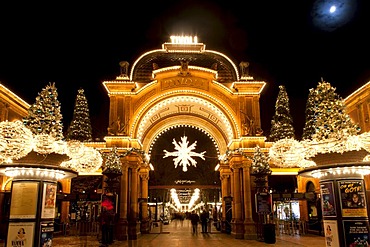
x=124 y=68
x=244 y=71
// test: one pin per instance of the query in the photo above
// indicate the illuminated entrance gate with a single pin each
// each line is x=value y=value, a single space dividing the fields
x=184 y=87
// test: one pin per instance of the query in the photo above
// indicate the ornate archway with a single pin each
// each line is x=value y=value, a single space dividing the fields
x=184 y=85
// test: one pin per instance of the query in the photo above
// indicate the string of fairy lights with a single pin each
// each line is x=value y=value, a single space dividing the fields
x=16 y=141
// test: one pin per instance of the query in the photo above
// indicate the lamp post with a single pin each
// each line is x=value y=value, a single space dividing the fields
x=260 y=169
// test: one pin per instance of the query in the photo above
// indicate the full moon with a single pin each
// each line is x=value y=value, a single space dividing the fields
x=329 y=15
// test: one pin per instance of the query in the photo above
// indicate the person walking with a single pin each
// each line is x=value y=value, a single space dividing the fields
x=194 y=219
x=204 y=218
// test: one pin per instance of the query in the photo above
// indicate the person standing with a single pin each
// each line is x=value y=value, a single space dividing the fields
x=106 y=223
x=204 y=217
x=194 y=218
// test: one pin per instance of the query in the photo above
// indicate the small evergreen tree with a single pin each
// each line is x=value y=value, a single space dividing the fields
x=260 y=163
x=80 y=127
x=44 y=116
x=112 y=162
x=309 y=127
x=282 y=122
x=331 y=120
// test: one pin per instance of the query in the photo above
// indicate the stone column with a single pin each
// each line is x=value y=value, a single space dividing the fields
x=134 y=224
x=225 y=173
x=122 y=224
x=237 y=223
x=249 y=225
x=144 y=176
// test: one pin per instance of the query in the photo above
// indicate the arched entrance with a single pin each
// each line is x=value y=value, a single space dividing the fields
x=171 y=93
x=165 y=177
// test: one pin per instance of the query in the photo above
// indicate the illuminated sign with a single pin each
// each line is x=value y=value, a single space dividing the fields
x=184 y=39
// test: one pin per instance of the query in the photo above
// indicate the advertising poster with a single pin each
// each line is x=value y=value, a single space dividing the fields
x=20 y=234
x=331 y=233
x=263 y=203
x=23 y=203
x=328 y=201
x=356 y=232
x=352 y=198
x=46 y=234
x=48 y=200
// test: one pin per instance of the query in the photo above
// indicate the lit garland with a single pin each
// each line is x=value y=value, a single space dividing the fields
x=335 y=171
x=287 y=152
x=365 y=141
x=307 y=163
x=75 y=149
x=32 y=172
x=175 y=199
x=291 y=153
x=44 y=143
x=194 y=198
x=16 y=140
x=91 y=161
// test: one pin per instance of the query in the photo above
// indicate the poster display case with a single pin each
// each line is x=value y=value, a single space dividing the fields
x=24 y=200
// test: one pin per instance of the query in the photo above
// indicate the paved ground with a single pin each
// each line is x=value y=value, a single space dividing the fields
x=179 y=235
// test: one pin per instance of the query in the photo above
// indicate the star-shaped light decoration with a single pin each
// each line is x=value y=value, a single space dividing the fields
x=184 y=153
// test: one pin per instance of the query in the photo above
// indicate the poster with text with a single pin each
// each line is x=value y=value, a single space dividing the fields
x=263 y=203
x=20 y=234
x=328 y=201
x=46 y=233
x=331 y=233
x=352 y=198
x=23 y=204
x=356 y=232
x=48 y=200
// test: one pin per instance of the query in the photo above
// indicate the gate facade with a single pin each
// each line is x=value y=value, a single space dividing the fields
x=185 y=84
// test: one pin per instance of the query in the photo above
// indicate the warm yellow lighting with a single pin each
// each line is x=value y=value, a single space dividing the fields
x=147 y=118
x=284 y=171
x=287 y=153
x=217 y=167
x=338 y=171
x=34 y=173
x=151 y=167
x=16 y=140
x=90 y=161
x=184 y=39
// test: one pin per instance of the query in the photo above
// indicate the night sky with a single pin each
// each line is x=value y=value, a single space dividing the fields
x=292 y=43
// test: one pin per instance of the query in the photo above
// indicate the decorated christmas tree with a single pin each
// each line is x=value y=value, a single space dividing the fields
x=260 y=163
x=80 y=127
x=112 y=162
x=282 y=122
x=331 y=120
x=309 y=128
x=44 y=116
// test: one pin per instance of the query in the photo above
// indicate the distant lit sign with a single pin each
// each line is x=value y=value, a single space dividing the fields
x=184 y=39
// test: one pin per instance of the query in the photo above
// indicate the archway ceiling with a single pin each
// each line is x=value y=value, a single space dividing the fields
x=189 y=110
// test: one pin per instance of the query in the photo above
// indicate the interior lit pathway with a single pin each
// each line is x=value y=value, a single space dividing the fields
x=178 y=234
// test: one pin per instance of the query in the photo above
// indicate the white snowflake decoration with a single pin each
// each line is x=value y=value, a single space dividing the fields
x=184 y=153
